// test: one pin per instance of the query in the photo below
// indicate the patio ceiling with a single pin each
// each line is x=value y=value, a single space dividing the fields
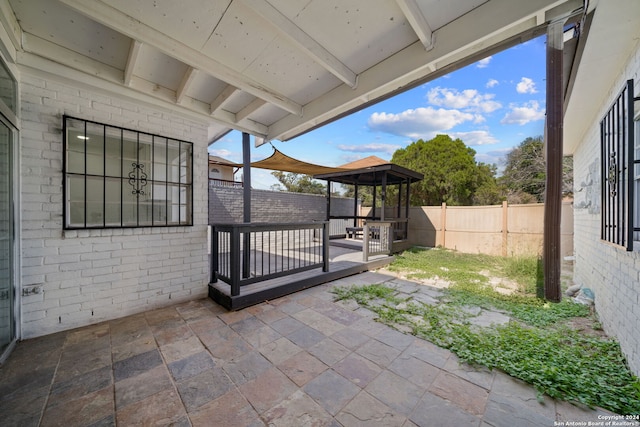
x=272 y=68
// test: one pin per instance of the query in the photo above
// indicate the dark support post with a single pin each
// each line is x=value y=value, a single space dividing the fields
x=383 y=195
x=246 y=194
x=325 y=247
x=355 y=206
x=399 y=213
x=214 y=255
x=553 y=195
x=328 y=200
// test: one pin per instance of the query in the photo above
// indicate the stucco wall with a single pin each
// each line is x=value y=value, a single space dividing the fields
x=611 y=272
x=74 y=278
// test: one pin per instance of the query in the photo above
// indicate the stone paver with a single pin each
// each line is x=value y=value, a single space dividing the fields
x=297 y=360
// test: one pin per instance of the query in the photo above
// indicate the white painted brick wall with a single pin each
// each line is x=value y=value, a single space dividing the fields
x=611 y=272
x=87 y=276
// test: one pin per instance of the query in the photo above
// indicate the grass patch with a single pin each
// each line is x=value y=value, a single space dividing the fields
x=537 y=348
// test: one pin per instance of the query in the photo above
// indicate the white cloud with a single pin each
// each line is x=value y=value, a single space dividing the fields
x=418 y=123
x=484 y=63
x=492 y=83
x=469 y=99
x=370 y=148
x=475 y=137
x=221 y=152
x=523 y=114
x=526 y=85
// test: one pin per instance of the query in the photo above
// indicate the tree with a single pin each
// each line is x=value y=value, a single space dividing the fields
x=297 y=183
x=450 y=171
x=524 y=177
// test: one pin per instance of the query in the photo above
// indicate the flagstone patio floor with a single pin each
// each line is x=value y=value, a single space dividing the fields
x=300 y=360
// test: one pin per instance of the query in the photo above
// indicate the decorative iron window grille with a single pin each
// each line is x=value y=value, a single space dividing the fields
x=116 y=177
x=617 y=158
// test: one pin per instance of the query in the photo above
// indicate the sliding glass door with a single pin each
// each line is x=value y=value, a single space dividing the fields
x=7 y=298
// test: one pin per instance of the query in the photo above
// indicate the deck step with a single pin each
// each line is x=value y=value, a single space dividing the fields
x=259 y=292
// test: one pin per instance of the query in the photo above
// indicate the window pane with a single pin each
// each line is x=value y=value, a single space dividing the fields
x=95 y=201
x=95 y=149
x=160 y=159
x=129 y=205
x=159 y=204
x=173 y=150
x=145 y=155
x=145 y=210
x=129 y=151
x=173 y=214
x=75 y=196
x=113 y=193
x=185 y=205
x=185 y=163
x=75 y=146
x=112 y=152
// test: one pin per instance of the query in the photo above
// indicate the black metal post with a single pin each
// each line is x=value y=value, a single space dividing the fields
x=246 y=194
x=325 y=247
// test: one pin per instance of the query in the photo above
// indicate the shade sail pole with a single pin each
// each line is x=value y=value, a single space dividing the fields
x=553 y=194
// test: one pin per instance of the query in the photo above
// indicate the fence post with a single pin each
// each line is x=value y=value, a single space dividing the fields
x=443 y=224
x=505 y=225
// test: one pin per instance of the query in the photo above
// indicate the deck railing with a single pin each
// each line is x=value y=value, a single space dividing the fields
x=215 y=182
x=379 y=236
x=243 y=254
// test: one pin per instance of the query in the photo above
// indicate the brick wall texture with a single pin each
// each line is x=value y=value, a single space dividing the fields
x=611 y=272
x=76 y=278
x=226 y=206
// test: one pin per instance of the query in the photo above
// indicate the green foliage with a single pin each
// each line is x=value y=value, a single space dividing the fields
x=450 y=172
x=297 y=183
x=536 y=348
x=524 y=177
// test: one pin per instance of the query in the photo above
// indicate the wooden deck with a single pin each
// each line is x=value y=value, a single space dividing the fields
x=344 y=262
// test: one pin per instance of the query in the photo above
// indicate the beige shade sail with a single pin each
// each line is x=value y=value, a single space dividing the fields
x=281 y=162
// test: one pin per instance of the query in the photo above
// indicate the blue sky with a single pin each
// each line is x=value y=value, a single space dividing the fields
x=492 y=106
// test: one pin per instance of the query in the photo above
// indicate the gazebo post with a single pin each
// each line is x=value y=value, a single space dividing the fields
x=355 y=206
x=328 y=216
x=383 y=195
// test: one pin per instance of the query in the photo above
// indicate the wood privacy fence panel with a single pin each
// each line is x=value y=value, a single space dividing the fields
x=507 y=230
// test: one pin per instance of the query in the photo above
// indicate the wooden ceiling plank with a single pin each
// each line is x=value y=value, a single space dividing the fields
x=303 y=41
x=115 y=19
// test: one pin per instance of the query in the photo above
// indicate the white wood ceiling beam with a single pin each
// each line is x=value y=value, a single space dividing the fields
x=134 y=54
x=222 y=98
x=187 y=79
x=416 y=19
x=480 y=30
x=306 y=43
x=51 y=61
x=119 y=21
x=249 y=109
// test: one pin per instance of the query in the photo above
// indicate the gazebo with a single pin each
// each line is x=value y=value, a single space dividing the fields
x=375 y=172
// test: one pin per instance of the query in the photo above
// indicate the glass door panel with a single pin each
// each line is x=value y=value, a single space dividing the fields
x=6 y=240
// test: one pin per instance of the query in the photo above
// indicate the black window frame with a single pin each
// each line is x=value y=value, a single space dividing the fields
x=136 y=178
x=617 y=157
